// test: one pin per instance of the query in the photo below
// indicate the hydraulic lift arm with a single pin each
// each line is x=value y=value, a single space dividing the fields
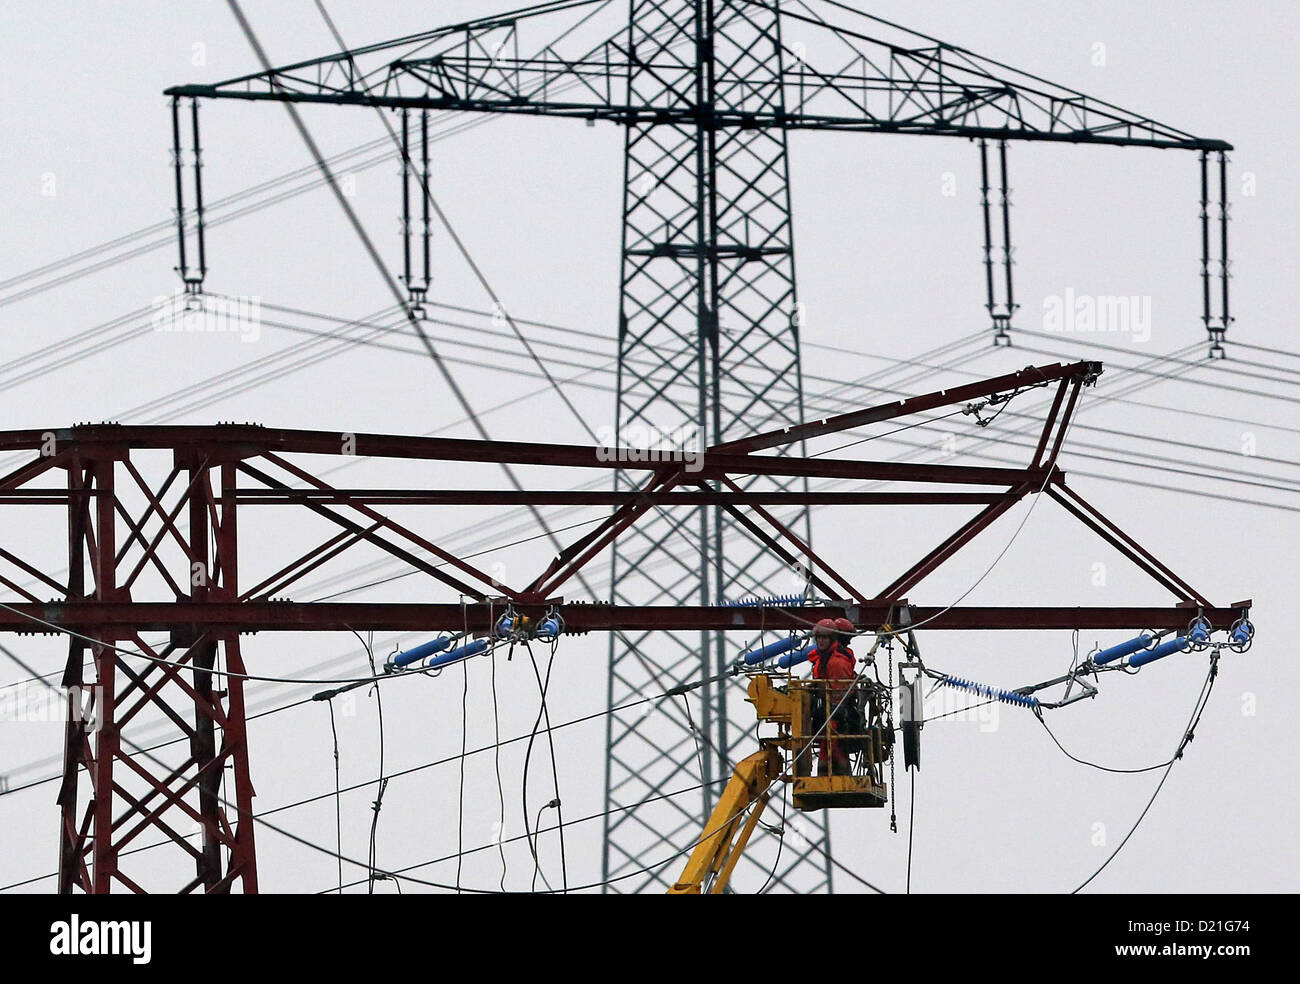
x=728 y=829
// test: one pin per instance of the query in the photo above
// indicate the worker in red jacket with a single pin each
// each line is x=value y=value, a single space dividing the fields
x=833 y=660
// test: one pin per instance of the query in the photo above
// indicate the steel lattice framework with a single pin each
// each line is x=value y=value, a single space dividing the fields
x=158 y=540
x=708 y=294
x=708 y=91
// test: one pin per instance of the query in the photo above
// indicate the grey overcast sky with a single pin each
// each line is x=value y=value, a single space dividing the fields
x=888 y=259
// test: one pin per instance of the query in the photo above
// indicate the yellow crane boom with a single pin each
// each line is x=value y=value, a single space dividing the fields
x=716 y=854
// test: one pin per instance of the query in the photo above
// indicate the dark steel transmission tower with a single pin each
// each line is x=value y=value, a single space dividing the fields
x=708 y=295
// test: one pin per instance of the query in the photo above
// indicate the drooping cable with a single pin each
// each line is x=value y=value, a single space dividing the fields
x=1186 y=738
x=780 y=843
x=496 y=760
x=338 y=797
x=464 y=738
x=911 y=826
x=544 y=714
x=378 y=803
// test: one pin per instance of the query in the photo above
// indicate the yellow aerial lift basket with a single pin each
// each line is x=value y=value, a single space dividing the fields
x=847 y=715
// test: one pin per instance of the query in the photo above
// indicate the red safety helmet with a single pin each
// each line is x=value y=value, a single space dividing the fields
x=827 y=626
x=844 y=625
